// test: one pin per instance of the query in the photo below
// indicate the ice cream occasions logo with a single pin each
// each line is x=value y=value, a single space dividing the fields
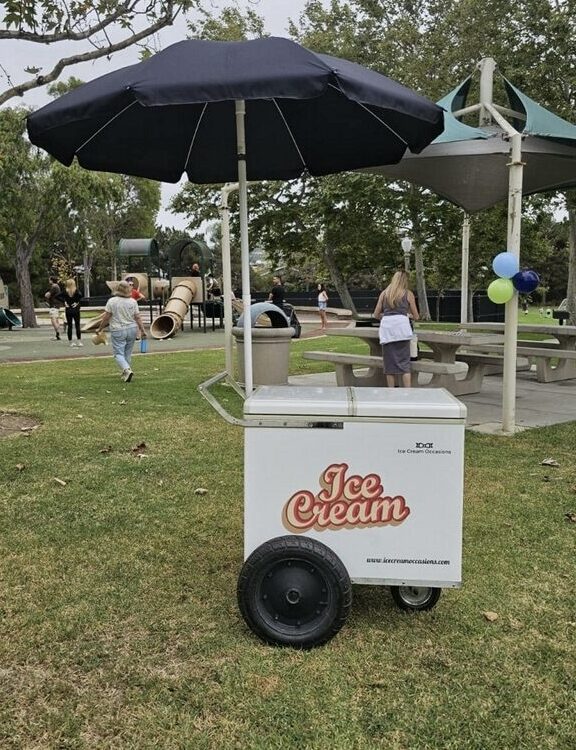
x=344 y=502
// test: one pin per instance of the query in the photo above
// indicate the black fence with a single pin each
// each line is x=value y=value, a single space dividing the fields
x=443 y=308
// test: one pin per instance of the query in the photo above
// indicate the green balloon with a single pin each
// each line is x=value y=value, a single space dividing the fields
x=501 y=291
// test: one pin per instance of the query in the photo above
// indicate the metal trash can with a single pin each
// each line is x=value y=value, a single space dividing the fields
x=271 y=336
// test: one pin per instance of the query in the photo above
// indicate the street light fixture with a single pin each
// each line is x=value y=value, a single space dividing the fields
x=406 y=248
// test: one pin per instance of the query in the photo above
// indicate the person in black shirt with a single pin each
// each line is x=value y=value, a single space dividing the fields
x=276 y=296
x=71 y=299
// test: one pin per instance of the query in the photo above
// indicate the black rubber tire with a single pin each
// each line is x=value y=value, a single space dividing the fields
x=294 y=591
x=415 y=598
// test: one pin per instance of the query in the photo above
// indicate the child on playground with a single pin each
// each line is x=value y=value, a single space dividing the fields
x=135 y=291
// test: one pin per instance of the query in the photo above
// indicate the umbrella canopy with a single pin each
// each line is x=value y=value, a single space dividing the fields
x=174 y=114
x=469 y=166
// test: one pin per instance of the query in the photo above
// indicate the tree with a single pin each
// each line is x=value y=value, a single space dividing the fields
x=430 y=45
x=67 y=213
x=105 y=26
x=28 y=207
x=99 y=209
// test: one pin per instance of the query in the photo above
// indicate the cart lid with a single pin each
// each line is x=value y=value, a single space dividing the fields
x=396 y=403
x=408 y=403
x=294 y=399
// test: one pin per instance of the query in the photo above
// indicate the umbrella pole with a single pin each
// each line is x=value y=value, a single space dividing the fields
x=227 y=273
x=244 y=248
x=464 y=272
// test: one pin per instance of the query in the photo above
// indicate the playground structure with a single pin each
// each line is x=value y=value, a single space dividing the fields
x=7 y=318
x=186 y=289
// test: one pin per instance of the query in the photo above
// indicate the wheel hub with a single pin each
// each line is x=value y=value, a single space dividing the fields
x=293 y=593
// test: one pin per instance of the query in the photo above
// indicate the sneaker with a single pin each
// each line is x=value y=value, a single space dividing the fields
x=79 y=343
x=127 y=376
x=72 y=343
x=55 y=338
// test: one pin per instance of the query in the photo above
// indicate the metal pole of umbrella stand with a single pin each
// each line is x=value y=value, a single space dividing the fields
x=227 y=273
x=244 y=248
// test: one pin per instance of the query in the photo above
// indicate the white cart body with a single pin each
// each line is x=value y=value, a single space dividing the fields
x=375 y=474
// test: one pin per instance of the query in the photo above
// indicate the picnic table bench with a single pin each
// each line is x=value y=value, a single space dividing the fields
x=344 y=365
x=560 y=348
x=483 y=363
x=544 y=357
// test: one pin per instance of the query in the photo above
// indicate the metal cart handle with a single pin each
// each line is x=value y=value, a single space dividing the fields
x=204 y=389
x=271 y=421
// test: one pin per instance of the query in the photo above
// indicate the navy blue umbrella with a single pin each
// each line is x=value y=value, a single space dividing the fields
x=175 y=113
x=226 y=111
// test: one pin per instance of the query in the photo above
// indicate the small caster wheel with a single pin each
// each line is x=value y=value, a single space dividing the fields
x=294 y=591
x=415 y=598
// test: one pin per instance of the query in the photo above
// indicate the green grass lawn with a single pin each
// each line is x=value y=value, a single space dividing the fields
x=118 y=615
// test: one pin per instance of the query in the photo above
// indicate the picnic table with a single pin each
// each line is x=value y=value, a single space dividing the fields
x=555 y=360
x=444 y=346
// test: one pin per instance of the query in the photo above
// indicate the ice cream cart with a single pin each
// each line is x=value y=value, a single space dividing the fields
x=347 y=485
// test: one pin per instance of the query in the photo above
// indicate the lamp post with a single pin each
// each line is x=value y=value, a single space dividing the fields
x=406 y=248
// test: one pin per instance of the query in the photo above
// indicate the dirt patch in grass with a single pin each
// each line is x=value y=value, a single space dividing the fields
x=12 y=424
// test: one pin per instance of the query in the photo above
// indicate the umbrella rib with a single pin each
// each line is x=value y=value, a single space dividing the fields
x=290 y=133
x=194 y=137
x=81 y=146
x=374 y=115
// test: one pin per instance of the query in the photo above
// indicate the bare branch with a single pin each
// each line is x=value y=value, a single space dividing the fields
x=21 y=89
x=71 y=36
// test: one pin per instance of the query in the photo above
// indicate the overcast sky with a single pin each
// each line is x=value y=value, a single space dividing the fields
x=18 y=55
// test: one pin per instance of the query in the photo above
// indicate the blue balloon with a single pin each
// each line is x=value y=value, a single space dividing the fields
x=505 y=265
x=525 y=281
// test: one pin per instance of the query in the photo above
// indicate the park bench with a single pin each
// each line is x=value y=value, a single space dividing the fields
x=481 y=364
x=443 y=374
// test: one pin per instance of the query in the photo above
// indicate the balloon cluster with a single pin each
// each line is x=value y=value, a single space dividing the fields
x=511 y=279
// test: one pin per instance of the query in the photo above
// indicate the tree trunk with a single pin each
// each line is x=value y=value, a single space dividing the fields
x=438 y=300
x=414 y=210
x=423 y=308
x=87 y=263
x=571 y=287
x=339 y=281
x=23 y=256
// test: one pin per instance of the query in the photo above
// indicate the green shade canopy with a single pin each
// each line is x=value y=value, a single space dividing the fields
x=468 y=166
